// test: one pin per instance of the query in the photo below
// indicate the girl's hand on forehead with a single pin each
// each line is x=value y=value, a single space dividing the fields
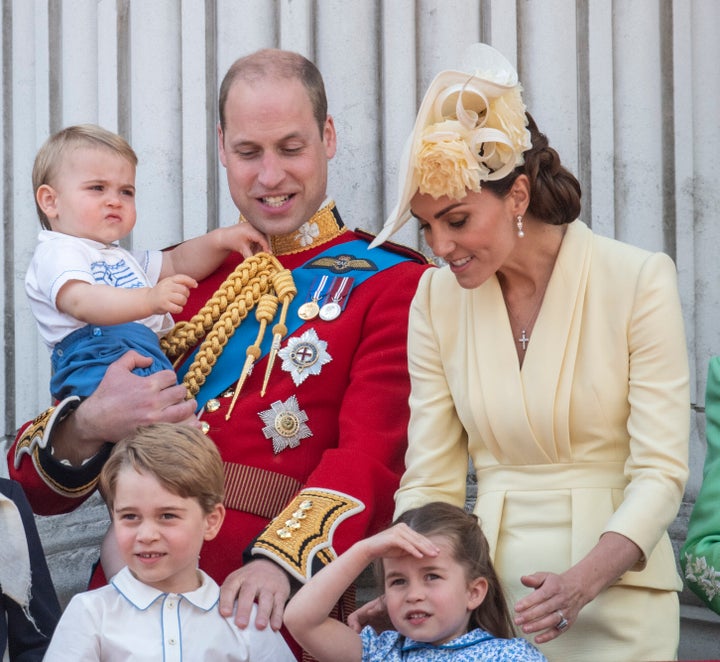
x=400 y=540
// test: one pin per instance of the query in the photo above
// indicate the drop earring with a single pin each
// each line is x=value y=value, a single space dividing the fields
x=519 y=223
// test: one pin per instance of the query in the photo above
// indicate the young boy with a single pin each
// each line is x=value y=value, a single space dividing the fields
x=164 y=489
x=86 y=292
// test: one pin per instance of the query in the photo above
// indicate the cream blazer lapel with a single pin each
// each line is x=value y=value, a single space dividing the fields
x=527 y=434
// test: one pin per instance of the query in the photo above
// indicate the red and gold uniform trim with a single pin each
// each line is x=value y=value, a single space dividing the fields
x=304 y=530
x=319 y=229
x=34 y=438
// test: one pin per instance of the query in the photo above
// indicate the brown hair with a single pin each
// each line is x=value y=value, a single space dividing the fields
x=49 y=157
x=279 y=65
x=182 y=458
x=554 y=191
x=470 y=549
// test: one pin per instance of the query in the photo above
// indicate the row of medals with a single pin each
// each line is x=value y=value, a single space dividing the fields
x=328 y=312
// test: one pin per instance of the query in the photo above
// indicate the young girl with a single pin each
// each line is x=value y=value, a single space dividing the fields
x=442 y=596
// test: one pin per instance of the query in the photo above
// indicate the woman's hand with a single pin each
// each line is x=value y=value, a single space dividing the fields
x=552 y=607
x=555 y=603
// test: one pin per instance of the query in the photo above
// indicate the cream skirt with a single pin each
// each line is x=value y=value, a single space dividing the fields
x=623 y=624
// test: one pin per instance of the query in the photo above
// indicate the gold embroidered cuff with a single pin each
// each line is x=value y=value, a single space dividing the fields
x=36 y=437
x=37 y=434
x=305 y=529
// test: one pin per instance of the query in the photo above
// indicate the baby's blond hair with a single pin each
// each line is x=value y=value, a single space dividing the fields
x=48 y=160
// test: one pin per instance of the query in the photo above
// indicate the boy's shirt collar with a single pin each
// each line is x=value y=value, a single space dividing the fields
x=52 y=235
x=142 y=596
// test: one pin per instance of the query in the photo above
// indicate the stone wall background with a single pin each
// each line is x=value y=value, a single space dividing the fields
x=626 y=90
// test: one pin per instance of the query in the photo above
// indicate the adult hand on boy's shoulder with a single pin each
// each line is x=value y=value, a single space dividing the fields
x=260 y=581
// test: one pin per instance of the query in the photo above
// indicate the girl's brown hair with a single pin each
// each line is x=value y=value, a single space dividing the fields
x=470 y=549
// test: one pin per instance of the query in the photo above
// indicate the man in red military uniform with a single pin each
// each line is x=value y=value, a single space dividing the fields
x=313 y=429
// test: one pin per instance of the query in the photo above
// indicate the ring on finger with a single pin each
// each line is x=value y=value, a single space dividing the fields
x=563 y=623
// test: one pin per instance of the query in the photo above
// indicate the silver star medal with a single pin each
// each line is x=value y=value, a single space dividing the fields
x=285 y=424
x=304 y=356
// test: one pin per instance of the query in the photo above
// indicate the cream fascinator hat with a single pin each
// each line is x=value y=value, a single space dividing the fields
x=471 y=128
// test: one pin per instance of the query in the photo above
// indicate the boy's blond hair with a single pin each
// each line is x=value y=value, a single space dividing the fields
x=182 y=458
x=50 y=156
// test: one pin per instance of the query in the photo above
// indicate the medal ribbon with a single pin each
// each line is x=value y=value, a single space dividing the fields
x=310 y=309
x=337 y=293
x=318 y=286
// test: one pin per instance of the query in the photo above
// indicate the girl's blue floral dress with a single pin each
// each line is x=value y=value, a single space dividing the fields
x=476 y=645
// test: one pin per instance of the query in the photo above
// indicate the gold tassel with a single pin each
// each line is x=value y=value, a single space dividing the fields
x=264 y=313
x=285 y=288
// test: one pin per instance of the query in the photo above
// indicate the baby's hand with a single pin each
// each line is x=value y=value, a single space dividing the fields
x=399 y=540
x=243 y=238
x=170 y=294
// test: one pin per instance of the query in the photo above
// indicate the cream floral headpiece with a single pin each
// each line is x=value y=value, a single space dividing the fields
x=471 y=128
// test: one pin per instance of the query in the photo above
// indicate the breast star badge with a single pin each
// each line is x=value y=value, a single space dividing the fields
x=304 y=356
x=285 y=424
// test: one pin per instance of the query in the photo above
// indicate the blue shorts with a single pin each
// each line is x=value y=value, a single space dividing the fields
x=79 y=360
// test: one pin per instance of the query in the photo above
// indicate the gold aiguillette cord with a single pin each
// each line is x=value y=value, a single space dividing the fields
x=285 y=291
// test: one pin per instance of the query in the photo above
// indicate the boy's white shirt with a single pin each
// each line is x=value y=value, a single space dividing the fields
x=59 y=258
x=131 y=620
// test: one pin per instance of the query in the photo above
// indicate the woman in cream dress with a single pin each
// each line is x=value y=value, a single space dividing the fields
x=555 y=360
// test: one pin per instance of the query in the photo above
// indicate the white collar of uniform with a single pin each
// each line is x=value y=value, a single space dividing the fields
x=142 y=596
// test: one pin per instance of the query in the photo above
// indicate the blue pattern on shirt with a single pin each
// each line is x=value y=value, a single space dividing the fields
x=476 y=645
x=119 y=274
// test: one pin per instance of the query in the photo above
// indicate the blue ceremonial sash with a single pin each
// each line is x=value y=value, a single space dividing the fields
x=229 y=364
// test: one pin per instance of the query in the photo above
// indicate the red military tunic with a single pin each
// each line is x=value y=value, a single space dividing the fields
x=340 y=472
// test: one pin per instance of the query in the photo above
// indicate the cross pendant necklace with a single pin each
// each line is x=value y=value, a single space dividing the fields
x=524 y=338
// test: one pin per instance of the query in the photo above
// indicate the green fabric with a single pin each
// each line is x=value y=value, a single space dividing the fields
x=700 y=555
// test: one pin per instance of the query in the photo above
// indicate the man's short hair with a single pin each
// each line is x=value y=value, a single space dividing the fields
x=280 y=65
